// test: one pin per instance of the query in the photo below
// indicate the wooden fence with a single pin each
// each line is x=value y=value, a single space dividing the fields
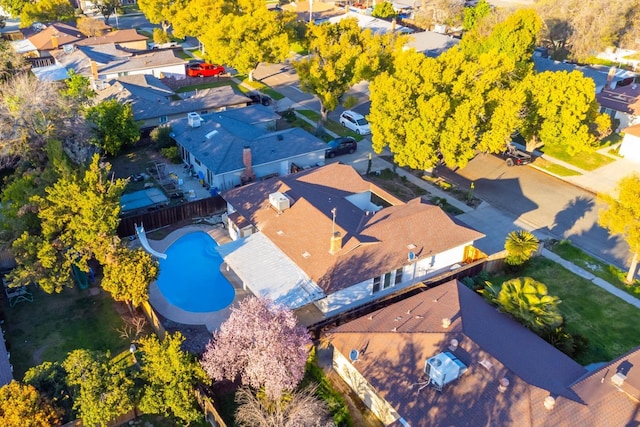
x=153 y=319
x=170 y=215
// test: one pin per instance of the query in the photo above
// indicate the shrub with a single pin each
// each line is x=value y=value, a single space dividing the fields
x=161 y=137
x=520 y=246
x=171 y=153
x=160 y=36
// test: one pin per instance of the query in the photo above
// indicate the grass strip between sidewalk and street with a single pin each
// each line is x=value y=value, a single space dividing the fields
x=607 y=272
x=609 y=324
x=261 y=87
x=554 y=168
x=588 y=161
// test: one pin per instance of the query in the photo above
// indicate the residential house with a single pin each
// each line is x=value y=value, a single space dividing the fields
x=41 y=42
x=104 y=62
x=445 y=357
x=430 y=43
x=341 y=240
x=154 y=104
x=621 y=103
x=602 y=77
x=630 y=147
x=376 y=25
x=237 y=146
x=127 y=39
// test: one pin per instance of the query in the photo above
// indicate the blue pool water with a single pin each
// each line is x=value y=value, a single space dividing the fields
x=190 y=277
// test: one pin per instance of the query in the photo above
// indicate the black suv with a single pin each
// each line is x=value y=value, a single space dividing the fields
x=346 y=145
x=259 y=98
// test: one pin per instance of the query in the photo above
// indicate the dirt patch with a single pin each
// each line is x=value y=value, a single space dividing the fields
x=136 y=159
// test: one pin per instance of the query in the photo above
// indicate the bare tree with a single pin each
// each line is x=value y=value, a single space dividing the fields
x=301 y=409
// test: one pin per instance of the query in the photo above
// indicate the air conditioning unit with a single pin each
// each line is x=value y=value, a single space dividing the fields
x=194 y=120
x=279 y=201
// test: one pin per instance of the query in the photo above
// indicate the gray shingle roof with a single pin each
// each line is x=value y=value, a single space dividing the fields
x=219 y=141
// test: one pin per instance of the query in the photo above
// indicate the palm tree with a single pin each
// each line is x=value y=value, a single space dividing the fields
x=520 y=246
x=529 y=302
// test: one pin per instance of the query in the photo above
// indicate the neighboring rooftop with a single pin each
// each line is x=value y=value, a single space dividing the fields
x=221 y=137
x=376 y=25
x=376 y=228
x=599 y=75
x=623 y=98
x=394 y=343
x=431 y=43
x=55 y=36
x=119 y=36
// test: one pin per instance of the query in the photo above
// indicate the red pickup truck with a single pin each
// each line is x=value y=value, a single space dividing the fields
x=202 y=69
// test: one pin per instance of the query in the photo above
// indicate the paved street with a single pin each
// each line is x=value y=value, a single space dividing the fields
x=539 y=202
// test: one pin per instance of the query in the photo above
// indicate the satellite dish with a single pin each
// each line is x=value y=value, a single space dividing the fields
x=411 y=256
x=353 y=355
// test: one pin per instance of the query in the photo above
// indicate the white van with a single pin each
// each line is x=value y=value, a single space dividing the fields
x=355 y=121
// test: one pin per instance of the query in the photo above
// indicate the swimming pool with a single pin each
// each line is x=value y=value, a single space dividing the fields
x=190 y=277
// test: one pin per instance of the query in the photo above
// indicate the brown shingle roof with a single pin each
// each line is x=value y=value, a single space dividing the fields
x=394 y=343
x=65 y=33
x=119 y=36
x=373 y=243
x=632 y=130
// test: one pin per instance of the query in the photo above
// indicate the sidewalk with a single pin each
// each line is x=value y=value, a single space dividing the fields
x=588 y=180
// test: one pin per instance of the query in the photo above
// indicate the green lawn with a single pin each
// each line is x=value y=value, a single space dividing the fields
x=606 y=272
x=331 y=125
x=53 y=325
x=609 y=323
x=146 y=34
x=257 y=85
x=182 y=54
x=554 y=168
x=583 y=160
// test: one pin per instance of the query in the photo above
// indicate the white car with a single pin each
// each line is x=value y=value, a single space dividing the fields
x=355 y=121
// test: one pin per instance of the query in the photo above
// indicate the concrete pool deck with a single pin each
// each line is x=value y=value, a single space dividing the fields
x=212 y=320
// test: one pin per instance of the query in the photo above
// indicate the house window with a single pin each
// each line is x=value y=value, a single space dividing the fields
x=162 y=119
x=197 y=162
x=376 y=284
x=398 y=278
x=204 y=112
x=387 y=280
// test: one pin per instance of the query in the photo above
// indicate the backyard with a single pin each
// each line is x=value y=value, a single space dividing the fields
x=53 y=325
x=606 y=321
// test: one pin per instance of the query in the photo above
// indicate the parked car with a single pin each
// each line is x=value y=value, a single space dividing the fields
x=514 y=156
x=203 y=69
x=355 y=121
x=346 y=145
x=168 y=45
x=259 y=98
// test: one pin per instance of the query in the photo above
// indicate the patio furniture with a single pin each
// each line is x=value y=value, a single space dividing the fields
x=16 y=295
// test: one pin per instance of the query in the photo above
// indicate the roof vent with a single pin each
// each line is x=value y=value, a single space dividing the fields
x=504 y=384
x=486 y=364
x=211 y=134
x=453 y=344
x=279 y=137
x=306 y=254
x=618 y=379
x=446 y=322
x=194 y=120
x=549 y=402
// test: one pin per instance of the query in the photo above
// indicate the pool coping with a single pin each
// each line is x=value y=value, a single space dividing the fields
x=212 y=320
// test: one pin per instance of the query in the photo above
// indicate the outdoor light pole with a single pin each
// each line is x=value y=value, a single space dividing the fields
x=132 y=349
x=310 y=11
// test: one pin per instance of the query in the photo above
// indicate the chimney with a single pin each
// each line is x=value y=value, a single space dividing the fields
x=247 y=175
x=94 y=70
x=336 y=243
x=54 y=41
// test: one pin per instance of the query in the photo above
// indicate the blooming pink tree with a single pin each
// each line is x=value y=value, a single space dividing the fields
x=262 y=344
